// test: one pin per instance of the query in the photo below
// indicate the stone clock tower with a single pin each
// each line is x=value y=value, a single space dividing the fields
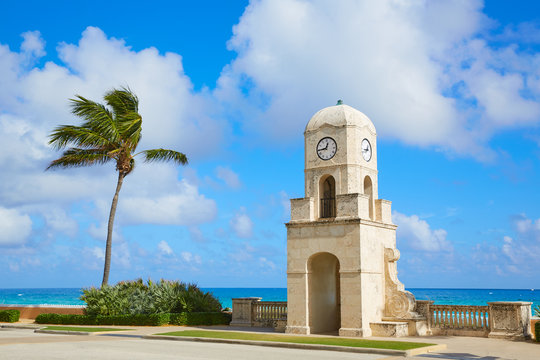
x=341 y=242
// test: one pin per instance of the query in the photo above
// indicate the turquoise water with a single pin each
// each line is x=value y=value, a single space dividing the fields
x=440 y=296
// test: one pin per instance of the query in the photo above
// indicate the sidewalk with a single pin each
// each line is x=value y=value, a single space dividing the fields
x=458 y=347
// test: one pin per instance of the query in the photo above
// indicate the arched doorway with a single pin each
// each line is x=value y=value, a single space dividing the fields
x=324 y=293
x=368 y=190
x=327 y=193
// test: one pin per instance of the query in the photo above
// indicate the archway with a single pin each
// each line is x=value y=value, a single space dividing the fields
x=368 y=190
x=324 y=293
x=327 y=193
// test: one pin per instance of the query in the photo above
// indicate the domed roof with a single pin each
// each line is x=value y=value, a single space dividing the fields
x=339 y=115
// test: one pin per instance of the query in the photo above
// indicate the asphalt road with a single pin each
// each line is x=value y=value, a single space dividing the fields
x=24 y=344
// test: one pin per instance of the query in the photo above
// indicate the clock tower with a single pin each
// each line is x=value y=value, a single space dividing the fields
x=341 y=242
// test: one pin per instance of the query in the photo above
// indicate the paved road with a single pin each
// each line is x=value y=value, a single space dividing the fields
x=22 y=344
x=18 y=344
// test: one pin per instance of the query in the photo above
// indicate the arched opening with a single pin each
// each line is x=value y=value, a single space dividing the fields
x=368 y=190
x=324 y=293
x=327 y=193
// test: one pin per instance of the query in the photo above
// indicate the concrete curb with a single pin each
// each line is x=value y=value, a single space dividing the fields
x=62 y=332
x=70 y=332
x=21 y=326
x=411 y=352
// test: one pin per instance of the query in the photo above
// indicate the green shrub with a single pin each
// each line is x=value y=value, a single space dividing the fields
x=184 y=318
x=9 y=315
x=537 y=331
x=136 y=320
x=200 y=318
x=136 y=297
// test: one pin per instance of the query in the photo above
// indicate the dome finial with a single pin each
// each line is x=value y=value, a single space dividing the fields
x=339 y=102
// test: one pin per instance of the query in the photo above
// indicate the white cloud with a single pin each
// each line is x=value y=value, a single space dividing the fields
x=265 y=263
x=14 y=267
x=230 y=178
x=183 y=205
x=121 y=254
x=518 y=254
x=527 y=227
x=98 y=252
x=242 y=225
x=15 y=227
x=33 y=45
x=99 y=232
x=190 y=258
x=418 y=235
x=402 y=63
x=174 y=116
x=164 y=248
x=59 y=221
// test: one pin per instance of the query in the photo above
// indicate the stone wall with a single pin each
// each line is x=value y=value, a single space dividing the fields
x=31 y=312
x=508 y=319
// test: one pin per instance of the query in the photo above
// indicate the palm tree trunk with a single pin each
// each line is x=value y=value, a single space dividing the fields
x=107 y=267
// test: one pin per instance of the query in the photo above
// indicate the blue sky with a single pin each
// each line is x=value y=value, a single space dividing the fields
x=453 y=89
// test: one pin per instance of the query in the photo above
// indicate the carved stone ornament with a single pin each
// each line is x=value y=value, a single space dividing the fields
x=399 y=303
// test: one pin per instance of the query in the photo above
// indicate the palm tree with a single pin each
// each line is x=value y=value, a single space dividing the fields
x=108 y=133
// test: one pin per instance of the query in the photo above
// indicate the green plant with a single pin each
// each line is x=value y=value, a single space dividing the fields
x=537 y=310
x=537 y=331
x=109 y=132
x=137 y=320
x=10 y=315
x=106 y=300
x=195 y=300
x=200 y=318
x=136 y=297
x=82 y=329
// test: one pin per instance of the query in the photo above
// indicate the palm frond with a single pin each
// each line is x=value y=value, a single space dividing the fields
x=165 y=155
x=122 y=100
x=76 y=157
x=129 y=127
x=97 y=117
x=66 y=135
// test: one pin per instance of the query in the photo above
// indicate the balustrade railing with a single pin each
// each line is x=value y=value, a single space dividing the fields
x=454 y=320
x=264 y=311
x=459 y=317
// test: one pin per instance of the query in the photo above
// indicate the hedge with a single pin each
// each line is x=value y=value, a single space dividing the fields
x=140 y=319
x=200 y=318
x=537 y=331
x=10 y=315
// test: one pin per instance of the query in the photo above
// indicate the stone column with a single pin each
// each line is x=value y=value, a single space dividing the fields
x=510 y=319
x=242 y=311
x=297 y=303
x=351 y=305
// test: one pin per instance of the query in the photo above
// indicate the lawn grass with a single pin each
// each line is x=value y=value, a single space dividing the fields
x=82 y=329
x=336 y=341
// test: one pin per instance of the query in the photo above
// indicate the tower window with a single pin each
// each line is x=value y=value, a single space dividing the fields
x=328 y=198
x=368 y=190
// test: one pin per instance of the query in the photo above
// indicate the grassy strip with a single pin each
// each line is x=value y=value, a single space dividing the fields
x=336 y=341
x=83 y=329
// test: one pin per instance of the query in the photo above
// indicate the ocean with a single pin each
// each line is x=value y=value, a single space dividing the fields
x=70 y=296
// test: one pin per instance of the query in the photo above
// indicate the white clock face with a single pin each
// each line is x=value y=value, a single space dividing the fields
x=366 y=149
x=326 y=148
